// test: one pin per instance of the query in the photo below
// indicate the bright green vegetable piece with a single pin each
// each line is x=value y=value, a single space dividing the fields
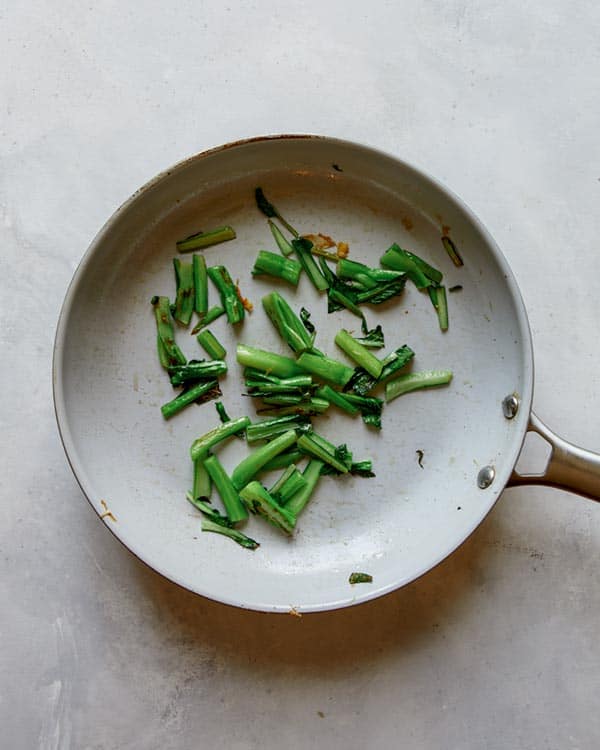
x=269 y=362
x=166 y=334
x=207 y=389
x=211 y=345
x=215 y=312
x=200 y=285
x=258 y=500
x=235 y=534
x=247 y=469
x=311 y=474
x=205 y=239
x=202 y=445
x=271 y=264
x=184 y=300
x=235 y=509
x=359 y=353
x=329 y=370
x=234 y=309
x=414 y=381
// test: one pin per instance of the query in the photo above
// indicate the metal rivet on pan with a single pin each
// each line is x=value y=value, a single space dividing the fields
x=485 y=477
x=510 y=406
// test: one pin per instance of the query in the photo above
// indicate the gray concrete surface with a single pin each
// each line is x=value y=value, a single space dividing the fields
x=497 y=647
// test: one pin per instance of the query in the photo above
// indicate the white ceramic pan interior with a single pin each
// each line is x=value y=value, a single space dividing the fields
x=109 y=385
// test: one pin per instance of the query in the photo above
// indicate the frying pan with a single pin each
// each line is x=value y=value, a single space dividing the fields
x=134 y=467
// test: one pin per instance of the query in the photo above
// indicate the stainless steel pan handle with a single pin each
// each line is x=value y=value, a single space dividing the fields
x=569 y=467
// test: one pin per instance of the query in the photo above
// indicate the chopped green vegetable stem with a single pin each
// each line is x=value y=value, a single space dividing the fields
x=184 y=299
x=278 y=266
x=215 y=312
x=312 y=473
x=204 y=443
x=282 y=243
x=336 y=398
x=268 y=362
x=359 y=353
x=237 y=536
x=235 y=509
x=303 y=251
x=313 y=447
x=267 y=429
x=258 y=500
x=249 y=467
x=202 y=482
x=205 y=239
x=192 y=371
x=200 y=285
x=450 y=248
x=228 y=292
x=325 y=368
x=414 y=381
x=211 y=345
x=188 y=397
x=166 y=333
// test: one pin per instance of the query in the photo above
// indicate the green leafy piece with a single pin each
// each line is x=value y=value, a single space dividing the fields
x=302 y=248
x=194 y=371
x=360 y=578
x=369 y=407
x=227 y=490
x=305 y=318
x=259 y=501
x=395 y=361
x=215 y=312
x=373 y=339
x=202 y=445
x=199 y=393
x=249 y=467
x=382 y=293
x=270 y=211
x=362 y=468
x=329 y=370
x=282 y=243
x=269 y=362
x=171 y=353
x=205 y=239
x=203 y=504
x=211 y=345
x=244 y=541
x=414 y=381
x=450 y=248
x=234 y=309
x=200 y=279
x=339 y=299
x=311 y=474
x=359 y=353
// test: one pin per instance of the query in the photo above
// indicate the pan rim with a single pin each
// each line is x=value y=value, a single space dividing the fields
x=503 y=475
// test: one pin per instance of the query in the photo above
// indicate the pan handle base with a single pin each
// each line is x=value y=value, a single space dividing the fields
x=569 y=467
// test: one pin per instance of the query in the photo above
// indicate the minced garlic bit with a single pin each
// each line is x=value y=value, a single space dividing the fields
x=343 y=249
x=107 y=513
